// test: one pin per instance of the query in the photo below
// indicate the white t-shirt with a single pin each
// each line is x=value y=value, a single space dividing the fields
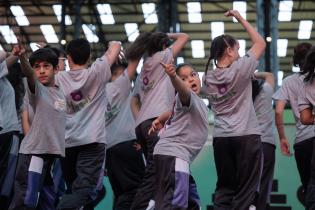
x=47 y=132
x=186 y=131
x=120 y=125
x=9 y=118
x=291 y=89
x=154 y=87
x=264 y=113
x=229 y=91
x=85 y=96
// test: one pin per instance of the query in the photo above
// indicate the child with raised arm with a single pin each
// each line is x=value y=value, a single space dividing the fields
x=9 y=128
x=181 y=140
x=236 y=135
x=124 y=162
x=45 y=140
x=155 y=93
x=84 y=89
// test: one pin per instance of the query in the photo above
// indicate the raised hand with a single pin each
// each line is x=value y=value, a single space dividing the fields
x=233 y=13
x=18 y=49
x=170 y=69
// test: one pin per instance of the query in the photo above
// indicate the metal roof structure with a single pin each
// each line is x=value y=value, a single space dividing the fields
x=87 y=18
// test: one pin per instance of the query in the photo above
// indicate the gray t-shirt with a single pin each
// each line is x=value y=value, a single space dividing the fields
x=47 y=132
x=229 y=91
x=264 y=113
x=307 y=99
x=7 y=102
x=120 y=125
x=85 y=95
x=154 y=87
x=186 y=131
x=293 y=87
x=27 y=107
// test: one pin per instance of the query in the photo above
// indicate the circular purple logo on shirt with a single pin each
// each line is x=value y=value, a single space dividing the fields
x=145 y=80
x=77 y=96
x=222 y=88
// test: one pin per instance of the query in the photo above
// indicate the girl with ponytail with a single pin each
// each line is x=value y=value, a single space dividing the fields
x=153 y=95
x=236 y=135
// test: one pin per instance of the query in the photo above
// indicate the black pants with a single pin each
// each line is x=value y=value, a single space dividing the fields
x=305 y=161
x=82 y=168
x=303 y=152
x=9 y=147
x=145 y=192
x=33 y=185
x=267 y=176
x=125 y=169
x=175 y=187
x=238 y=163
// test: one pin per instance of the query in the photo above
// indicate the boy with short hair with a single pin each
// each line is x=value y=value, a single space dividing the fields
x=45 y=140
x=84 y=89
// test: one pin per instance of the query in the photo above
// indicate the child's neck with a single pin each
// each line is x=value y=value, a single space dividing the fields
x=224 y=63
x=74 y=67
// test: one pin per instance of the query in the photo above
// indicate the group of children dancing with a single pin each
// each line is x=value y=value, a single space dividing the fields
x=80 y=123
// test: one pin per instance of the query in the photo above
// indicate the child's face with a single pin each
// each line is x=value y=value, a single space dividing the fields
x=44 y=72
x=191 y=78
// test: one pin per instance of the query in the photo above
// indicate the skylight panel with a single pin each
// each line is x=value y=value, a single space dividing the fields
x=49 y=33
x=139 y=67
x=89 y=31
x=20 y=17
x=285 y=10
x=8 y=34
x=194 y=15
x=280 y=77
x=240 y=6
x=282 y=45
x=106 y=14
x=305 y=29
x=206 y=101
x=217 y=29
x=33 y=46
x=242 y=49
x=295 y=69
x=201 y=75
x=198 y=50
x=58 y=10
x=1 y=48
x=180 y=60
x=149 y=13
x=132 y=31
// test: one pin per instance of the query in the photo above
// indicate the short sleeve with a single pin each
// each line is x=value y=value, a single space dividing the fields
x=32 y=97
x=247 y=65
x=303 y=101
x=180 y=106
x=102 y=69
x=282 y=94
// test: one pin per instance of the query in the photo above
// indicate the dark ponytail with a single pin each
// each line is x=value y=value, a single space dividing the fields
x=218 y=47
x=309 y=65
x=147 y=43
x=138 y=47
